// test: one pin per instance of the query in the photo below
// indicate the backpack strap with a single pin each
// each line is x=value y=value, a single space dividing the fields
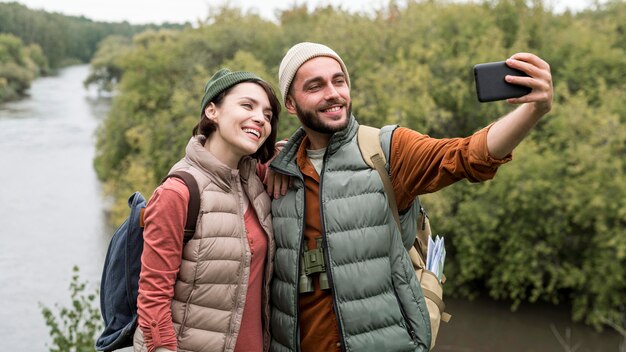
x=369 y=144
x=193 y=207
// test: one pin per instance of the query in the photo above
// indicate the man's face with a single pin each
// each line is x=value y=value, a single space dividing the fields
x=320 y=96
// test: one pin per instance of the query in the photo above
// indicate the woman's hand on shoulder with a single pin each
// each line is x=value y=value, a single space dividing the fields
x=276 y=183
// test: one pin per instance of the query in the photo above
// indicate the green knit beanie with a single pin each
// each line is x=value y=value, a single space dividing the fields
x=222 y=80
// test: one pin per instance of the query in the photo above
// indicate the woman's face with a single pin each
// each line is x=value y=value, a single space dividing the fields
x=243 y=123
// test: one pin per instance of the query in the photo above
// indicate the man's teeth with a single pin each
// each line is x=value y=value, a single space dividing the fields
x=333 y=109
x=254 y=132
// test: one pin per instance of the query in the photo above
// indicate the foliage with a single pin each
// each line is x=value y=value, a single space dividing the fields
x=73 y=329
x=106 y=64
x=550 y=226
x=32 y=42
x=63 y=38
x=19 y=65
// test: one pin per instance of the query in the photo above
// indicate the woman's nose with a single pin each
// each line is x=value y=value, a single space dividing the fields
x=258 y=117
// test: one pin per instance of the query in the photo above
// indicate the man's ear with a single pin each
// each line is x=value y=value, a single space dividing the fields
x=290 y=105
x=211 y=112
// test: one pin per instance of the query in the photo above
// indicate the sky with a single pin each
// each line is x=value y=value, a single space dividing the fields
x=180 y=11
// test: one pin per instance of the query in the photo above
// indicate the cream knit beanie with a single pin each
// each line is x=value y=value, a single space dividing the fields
x=298 y=55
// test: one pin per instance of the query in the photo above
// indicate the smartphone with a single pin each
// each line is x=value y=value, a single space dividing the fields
x=490 y=83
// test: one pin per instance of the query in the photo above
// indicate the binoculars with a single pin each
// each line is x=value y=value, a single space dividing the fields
x=311 y=262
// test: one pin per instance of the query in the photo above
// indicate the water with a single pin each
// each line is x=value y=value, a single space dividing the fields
x=484 y=326
x=52 y=218
x=51 y=215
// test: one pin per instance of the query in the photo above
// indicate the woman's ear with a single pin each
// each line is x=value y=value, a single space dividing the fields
x=211 y=112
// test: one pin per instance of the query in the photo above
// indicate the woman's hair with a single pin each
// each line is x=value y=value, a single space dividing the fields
x=206 y=126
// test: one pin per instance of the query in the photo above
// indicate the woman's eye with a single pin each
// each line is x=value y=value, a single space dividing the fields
x=268 y=117
x=247 y=105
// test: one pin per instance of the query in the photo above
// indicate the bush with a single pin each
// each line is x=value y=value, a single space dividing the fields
x=74 y=328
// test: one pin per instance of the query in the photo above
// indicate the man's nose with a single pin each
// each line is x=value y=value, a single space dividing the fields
x=330 y=92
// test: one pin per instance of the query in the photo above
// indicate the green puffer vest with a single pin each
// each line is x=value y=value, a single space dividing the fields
x=377 y=299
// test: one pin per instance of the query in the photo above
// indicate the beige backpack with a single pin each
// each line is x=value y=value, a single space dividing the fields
x=369 y=144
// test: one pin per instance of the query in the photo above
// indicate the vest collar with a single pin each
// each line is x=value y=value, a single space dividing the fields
x=285 y=161
x=220 y=174
x=344 y=136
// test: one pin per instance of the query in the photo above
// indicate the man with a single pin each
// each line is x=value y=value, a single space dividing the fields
x=343 y=280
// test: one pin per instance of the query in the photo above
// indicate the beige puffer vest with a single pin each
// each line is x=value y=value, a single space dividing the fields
x=210 y=290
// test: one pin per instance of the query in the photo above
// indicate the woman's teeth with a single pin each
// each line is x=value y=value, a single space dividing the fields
x=254 y=132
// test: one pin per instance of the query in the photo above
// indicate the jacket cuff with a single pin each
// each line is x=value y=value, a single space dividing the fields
x=159 y=335
x=479 y=152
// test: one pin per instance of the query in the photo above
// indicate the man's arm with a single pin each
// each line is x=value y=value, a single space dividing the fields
x=510 y=130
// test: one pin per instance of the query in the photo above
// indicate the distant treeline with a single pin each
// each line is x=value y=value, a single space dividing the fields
x=33 y=41
x=550 y=227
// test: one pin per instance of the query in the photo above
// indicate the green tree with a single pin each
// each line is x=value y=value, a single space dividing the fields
x=541 y=231
x=64 y=39
x=551 y=226
x=106 y=64
x=19 y=65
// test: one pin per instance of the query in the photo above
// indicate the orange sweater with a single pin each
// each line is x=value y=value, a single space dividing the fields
x=419 y=165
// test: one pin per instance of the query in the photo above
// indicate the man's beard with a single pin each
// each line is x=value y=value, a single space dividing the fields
x=310 y=120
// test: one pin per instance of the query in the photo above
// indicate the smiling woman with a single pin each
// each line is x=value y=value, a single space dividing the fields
x=237 y=129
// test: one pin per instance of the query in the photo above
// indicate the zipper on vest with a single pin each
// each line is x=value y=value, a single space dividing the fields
x=244 y=242
x=297 y=300
x=296 y=333
x=326 y=252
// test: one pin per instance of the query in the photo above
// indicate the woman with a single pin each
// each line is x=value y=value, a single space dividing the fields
x=216 y=297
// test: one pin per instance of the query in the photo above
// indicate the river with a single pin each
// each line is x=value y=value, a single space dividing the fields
x=51 y=213
x=52 y=218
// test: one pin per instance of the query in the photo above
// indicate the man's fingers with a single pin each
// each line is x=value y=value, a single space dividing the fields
x=540 y=80
x=530 y=59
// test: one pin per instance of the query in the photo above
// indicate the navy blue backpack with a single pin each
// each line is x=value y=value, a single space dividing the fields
x=120 y=276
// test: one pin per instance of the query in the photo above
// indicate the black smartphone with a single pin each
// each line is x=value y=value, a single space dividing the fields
x=490 y=83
